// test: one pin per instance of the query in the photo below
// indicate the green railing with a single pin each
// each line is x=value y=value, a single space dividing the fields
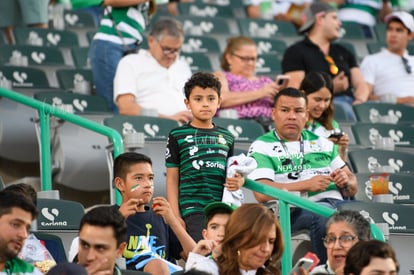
x=285 y=198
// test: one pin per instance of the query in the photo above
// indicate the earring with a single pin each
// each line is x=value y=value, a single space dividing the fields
x=238 y=253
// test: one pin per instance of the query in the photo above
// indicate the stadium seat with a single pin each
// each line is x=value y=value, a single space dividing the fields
x=80 y=57
x=340 y=113
x=384 y=112
x=36 y=55
x=243 y=130
x=154 y=128
x=354 y=31
x=205 y=10
x=380 y=30
x=68 y=77
x=374 y=47
x=270 y=46
x=45 y=37
x=200 y=44
x=349 y=46
x=75 y=103
x=398 y=217
x=401 y=186
x=266 y=28
x=268 y=64
x=197 y=62
x=24 y=77
x=366 y=134
x=78 y=19
x=370 y=161
x=204 y=25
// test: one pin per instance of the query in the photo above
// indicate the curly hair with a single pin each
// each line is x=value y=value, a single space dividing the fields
x=202 y=80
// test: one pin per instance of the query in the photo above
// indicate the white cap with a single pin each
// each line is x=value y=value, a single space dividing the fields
x=405 y=18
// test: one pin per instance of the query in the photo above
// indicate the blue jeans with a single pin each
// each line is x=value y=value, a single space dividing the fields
x=305 y=220
x=104 y=57
x=346 y=103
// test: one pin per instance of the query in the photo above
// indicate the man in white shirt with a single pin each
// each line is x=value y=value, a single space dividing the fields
x=154 y=78
x=391 y=71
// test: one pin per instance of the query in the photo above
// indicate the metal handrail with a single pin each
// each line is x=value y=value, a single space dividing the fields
x=285 y=198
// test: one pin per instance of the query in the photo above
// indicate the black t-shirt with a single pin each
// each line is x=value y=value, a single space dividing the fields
x=306 y=56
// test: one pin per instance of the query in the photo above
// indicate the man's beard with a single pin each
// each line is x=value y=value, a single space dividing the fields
x=6 y=253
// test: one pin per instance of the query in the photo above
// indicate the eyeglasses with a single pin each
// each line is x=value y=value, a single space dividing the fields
x=332 y=66
x=245 y=58
x=344 y=241
x=407 y=65
x=167 y=50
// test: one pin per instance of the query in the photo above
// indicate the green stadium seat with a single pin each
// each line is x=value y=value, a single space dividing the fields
x=197 y=61
x=401 y=186
x=375 y=112
x=204 y=25
x=366 y=133
x=200 y=44
x=266 y=28
x=24 y=77
x=80 y=57
x=370 y=161
x=270 y=46
x=205 y=10
x=154 y=128
x=243 y=130
x=45 y=37
x=68 y=77
x=36 y=56
x=78 y=19
x=74 y=103
x=268 y=64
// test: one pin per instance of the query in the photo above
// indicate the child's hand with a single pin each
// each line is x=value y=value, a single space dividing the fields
x=234 y=183
x=130 y=207
x=161 y=207
x=204 y=247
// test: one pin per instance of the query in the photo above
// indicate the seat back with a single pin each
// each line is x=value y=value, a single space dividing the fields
x=45 y=37
x=270 y=46
x=197 y=62
x=154 y=128
x=78 y=19
x=205 y=10
x=243 y=130
x=24 y=77
x=380 y=30
x=374 y=47
x=268 y=64
x=367 y=133
x=193 y=25
x=80 y=57
x=353 y=31
x=401 y=186
x=74 y=103
x=398 y=217
x=36 y=55
x=200 y=44
x=67 y=78
x=384 y=112
x=58 y=214
x=266 y=28
x=340 y=113
x=369 y=161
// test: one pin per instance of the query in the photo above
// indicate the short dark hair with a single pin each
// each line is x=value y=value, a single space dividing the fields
x=290 y=92
x=107 y=216
x=360 y=255
x=23 y=189
x=124 y=161
x=203 y=80
x=12 y=199
x=358 y=222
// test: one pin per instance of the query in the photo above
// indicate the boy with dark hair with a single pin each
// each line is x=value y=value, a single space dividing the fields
x=102 y=237
x=196 y=156
x=154 y=236
x=16 y=215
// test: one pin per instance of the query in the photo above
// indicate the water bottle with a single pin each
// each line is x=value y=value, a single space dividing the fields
x=266 y=9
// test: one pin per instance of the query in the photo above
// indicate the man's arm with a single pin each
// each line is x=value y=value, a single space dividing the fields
x=361 y=92
x=127 y=105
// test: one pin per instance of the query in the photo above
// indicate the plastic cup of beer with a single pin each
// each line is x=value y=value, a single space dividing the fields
x=379 y=183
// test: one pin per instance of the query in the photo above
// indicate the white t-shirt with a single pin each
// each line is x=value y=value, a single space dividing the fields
x=386 y=72
x=278 y=7
x=154 y=86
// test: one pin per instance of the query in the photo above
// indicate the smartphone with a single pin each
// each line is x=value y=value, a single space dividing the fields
x=336 y=133
x=282 y=80
x=303 y=262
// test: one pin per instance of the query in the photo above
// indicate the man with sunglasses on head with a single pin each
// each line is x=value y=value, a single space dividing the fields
x=316 y=52
x=390 y=71
x=154 y=78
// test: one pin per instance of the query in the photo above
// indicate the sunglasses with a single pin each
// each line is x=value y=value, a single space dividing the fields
x=407 y=65
x=332 y=66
